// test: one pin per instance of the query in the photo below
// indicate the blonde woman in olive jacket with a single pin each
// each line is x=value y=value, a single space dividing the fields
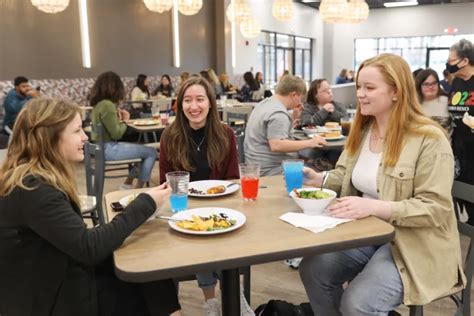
x=398 y=166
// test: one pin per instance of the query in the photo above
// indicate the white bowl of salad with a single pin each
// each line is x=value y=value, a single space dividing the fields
x=313 y=201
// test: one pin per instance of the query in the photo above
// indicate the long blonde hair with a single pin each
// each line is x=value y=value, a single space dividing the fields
x=406 y=115
x=34 y=149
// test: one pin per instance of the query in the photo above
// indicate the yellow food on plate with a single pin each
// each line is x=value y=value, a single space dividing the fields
x=331 y=134
x=216 y=190
x=331 y=125
x=199 y=223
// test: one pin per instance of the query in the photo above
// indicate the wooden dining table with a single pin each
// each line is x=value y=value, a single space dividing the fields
x=155 y=251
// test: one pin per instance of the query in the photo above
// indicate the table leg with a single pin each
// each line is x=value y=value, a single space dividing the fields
x=230 y=292
x=145 y=137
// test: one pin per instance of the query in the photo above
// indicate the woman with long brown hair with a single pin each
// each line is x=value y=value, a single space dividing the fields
x=198 y=142
x=108 y=91
x=51 y=263
x=397 y=166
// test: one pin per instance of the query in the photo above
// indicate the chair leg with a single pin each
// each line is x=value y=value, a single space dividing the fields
x=416 y=310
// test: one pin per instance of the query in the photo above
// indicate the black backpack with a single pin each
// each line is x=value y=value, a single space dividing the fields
x=283 y=308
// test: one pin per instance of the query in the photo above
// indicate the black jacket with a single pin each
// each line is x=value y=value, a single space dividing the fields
x=47 y=254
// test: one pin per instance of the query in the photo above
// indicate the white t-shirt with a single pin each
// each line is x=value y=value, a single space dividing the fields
x=364 y=175
x=138 y=94
x=436 y=107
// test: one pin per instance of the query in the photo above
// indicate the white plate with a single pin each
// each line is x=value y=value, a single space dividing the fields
x=204 y=185
x=329 y=138
x=127 y=199
x=148 y=122
x=206 y=211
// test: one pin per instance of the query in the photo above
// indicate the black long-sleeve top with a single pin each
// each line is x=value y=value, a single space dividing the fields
x=47 y=254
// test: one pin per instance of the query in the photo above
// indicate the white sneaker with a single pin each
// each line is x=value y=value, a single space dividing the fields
x=245 y=309
x=294 y=263
x=212 y=307
x=125 y=187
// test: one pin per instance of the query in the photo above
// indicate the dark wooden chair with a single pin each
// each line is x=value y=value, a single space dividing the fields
x=462 y=192
x=94 y=166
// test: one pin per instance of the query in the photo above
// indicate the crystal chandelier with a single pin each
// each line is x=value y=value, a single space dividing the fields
x=159 y=6
x=50 y=6
x=357 y=11
x=250 y=28
x=283 y=10
x=242 y=11
x=333 y=11
x=189 y=7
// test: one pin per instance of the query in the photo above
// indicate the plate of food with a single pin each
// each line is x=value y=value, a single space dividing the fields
x=212 y=188
x=330 y=135
x=146 y=122
x=207 y=221
x=332 y=126
x=312 y=129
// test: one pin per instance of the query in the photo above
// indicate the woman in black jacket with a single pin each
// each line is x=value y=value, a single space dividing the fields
x=50 y=262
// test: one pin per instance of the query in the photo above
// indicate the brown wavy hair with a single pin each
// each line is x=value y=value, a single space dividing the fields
x=406 y=115
x=178 y=134
x=35 y=148
x=108 y=86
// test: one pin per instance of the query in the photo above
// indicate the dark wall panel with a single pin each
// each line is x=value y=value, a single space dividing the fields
x=124 y=36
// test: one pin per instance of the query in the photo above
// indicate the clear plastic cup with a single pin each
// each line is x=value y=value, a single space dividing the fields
x=249 y=179
x=179 y=183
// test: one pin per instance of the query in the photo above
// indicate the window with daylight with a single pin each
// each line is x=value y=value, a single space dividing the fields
x=279 y=52
x=418 y=51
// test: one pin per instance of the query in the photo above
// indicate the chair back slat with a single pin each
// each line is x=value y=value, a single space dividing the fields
x=463 y=191
x=95 y=176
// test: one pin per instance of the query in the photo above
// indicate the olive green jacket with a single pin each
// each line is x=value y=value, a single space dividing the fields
x=105 y=113
x=426 y=247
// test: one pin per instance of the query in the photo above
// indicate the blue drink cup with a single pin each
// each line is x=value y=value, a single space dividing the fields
x=178 y=182
x=293 y=170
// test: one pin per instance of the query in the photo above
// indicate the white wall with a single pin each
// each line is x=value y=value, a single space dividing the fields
x=305 y=23
x=398 y=22
x=334 y=47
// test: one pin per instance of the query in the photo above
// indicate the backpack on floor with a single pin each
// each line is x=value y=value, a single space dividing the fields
x=283 y=308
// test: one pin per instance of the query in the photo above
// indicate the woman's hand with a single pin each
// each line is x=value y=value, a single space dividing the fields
x=355 y=207
x=312 y=177
x=160 y=194
x=124 y=115
x=329 y=107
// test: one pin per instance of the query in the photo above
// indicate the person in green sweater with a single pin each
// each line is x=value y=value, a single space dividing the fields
x=107 y=92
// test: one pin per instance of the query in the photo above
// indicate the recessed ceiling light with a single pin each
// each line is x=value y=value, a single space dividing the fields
x=400 y=4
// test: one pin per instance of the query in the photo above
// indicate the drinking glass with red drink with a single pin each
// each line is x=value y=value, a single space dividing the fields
x=249 y=177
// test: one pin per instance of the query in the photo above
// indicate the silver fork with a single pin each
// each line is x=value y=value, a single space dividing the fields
x=168 y=218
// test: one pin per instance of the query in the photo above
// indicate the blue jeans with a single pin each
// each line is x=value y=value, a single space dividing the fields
x=375 y=287
x=207 y=280
x=122 y=151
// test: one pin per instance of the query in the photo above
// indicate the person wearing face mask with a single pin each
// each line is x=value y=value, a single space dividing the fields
x=461 y=101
